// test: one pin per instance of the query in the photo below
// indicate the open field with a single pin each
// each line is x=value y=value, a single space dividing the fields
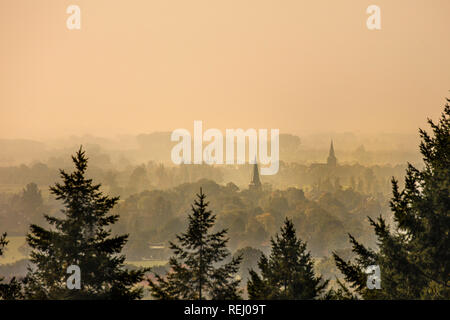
x=11 y=188
x=12 y=254
x=147 y=263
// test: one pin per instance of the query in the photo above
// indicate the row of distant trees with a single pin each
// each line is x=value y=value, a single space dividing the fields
x=132 y=179
x=413 y=255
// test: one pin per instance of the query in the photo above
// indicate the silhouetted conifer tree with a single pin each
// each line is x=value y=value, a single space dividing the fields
x=288 y=273
x=198 y=270
x=414 y=254
x=80 y=236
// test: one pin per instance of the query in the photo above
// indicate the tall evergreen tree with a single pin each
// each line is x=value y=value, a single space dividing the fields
x=198 y=267
x=288 y=273
x=414 y=254
x=80 y=236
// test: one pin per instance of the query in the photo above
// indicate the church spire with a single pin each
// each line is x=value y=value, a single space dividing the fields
x=256 y=181
x=331 y=149
x=331 y=161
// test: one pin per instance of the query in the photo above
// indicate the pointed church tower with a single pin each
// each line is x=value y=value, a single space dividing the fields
x=255 y=184
x=331 y=161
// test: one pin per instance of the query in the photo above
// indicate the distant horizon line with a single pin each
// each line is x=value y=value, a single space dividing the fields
x=42 y=138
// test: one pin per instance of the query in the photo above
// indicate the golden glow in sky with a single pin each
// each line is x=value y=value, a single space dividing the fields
x=142 y=66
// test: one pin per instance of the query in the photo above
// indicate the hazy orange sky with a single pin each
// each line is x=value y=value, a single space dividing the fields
x=140 y=66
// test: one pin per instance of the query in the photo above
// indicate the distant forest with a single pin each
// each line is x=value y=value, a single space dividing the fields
x=220 y=232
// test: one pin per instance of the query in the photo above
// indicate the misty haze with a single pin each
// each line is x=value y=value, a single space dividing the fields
x=363 y=172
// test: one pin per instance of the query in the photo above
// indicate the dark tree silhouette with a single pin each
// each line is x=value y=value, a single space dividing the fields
x=288 y=273
x=413 y=255
x=198 y=268
x=82 y=237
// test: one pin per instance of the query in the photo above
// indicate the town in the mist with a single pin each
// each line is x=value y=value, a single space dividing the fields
x=236 y=151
